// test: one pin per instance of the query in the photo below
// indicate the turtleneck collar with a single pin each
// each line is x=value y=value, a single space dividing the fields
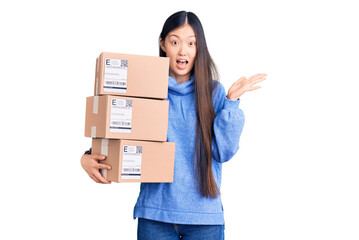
x=183 y=88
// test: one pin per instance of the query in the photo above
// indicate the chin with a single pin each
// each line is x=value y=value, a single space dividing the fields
x=181 y=72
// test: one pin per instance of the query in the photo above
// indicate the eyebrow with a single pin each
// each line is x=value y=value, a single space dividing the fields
x=178 y=36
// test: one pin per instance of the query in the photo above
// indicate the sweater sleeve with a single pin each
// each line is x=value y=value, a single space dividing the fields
x=227 y=126
x=88 y=152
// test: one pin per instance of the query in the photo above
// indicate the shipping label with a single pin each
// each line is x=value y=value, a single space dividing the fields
x=121 y=116
x=131 y=162
x=115 y=75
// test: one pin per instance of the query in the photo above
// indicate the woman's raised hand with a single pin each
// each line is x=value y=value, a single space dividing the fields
x=244 y=84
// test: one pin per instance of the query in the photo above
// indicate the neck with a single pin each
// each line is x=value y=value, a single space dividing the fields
x=180 y=78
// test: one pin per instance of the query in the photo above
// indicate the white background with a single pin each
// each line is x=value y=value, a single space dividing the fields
x=296 y=173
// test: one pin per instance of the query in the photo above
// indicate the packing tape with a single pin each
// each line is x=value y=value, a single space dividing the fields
x=96 y=92
x=104 y=151
x=95 y=105
x=104 y=146
x=97 y=64
x=93 y=131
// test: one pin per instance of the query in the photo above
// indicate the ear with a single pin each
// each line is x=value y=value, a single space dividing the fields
x=162 y=44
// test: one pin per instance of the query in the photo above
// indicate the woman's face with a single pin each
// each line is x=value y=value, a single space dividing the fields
x=180 y=47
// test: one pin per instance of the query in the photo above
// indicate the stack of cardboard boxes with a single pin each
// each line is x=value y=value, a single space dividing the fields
x=127 y=118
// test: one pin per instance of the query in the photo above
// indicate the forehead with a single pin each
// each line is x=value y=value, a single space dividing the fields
x=185 y=31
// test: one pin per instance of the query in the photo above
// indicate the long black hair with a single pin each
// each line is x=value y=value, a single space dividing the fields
x=204 y=71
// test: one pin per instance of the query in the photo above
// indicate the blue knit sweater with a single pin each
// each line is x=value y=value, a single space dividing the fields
x=180 y=202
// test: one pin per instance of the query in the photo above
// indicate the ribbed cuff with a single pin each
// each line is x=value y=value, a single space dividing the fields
x=231 y=104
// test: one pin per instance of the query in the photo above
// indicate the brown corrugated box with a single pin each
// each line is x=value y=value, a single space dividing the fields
x=119 y=117
x=136 y=161
x=131 y=75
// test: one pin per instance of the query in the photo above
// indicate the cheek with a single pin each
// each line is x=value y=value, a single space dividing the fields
x=193 y=55
x=173 y=62
x=172 y=57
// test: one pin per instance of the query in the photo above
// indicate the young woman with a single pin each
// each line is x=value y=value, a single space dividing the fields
x=205 y=123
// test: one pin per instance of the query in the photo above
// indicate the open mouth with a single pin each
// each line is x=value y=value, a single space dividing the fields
x=182 y=63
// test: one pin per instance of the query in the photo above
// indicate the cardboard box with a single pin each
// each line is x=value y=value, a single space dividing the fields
x=131 y=75
x=136 y=161
x=126 y=118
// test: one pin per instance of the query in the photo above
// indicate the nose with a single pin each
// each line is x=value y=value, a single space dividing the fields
x=182 y=50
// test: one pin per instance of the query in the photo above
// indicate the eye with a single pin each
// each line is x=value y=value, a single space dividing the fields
x=192 y=43
x=175 y=42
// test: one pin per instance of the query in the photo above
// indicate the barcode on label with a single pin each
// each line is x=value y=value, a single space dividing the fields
x=117 y=83
x=120 y=123
x=131 y=170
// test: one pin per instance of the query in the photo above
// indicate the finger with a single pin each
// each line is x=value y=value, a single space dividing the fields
x=103 y=166
x=98 y=157
x=257 y=80
x=255 y=77
x=254 y=88
x=100 y=178
x=259 y=74
x=93 y=178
